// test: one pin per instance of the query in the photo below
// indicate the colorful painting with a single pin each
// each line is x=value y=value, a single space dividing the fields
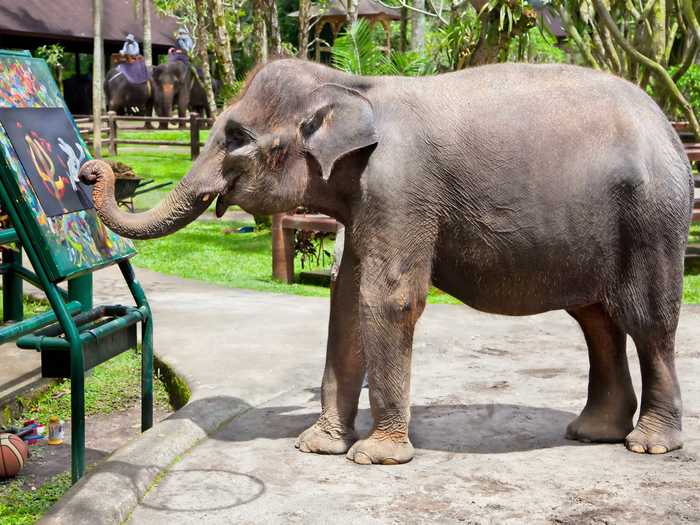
x=51 y=155
x=74 y=242
x=22 y=87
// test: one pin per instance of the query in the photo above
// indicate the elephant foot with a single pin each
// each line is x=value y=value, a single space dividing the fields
x=325 y=438
x=600 y=425
x=652 y=436
x=148 y=125
x=382 y=450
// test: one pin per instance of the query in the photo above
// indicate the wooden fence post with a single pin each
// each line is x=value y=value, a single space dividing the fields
x=112 y=131
x=194 y=135
x=282 y=250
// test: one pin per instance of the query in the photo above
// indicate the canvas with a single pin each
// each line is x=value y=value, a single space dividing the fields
x=74 y=242
x=51 y=154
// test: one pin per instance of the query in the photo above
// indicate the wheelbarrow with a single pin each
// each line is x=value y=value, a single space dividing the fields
x=126 y=188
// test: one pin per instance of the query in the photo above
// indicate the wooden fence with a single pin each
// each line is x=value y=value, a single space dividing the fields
x=110 y=131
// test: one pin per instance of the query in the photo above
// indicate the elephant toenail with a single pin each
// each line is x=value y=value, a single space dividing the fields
x=390 y=461
x=658 y=449
x=636 y=447
x=362 y=459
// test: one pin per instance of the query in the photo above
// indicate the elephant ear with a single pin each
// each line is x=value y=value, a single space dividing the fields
x=341 y=122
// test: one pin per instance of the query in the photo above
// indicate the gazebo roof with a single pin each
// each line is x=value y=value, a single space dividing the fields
x=72 y=20
x=366 y=9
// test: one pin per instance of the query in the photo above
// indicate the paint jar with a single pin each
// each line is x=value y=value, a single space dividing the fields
x=55 y=431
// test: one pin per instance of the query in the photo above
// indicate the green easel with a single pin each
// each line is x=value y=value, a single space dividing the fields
x=74 y=336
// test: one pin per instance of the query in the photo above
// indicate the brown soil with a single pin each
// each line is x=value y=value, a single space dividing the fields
x=104 y=434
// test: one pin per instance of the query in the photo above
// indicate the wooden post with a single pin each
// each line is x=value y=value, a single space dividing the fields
x=97 y=76
x=112 y=130
x=194 y=135
x=282 y=250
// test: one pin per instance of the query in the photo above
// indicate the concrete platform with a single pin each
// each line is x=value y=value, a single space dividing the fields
x=491 y=399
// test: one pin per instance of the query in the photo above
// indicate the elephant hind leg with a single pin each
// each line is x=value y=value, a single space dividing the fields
x=607 y=416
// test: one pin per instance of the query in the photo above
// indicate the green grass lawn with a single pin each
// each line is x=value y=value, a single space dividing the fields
x=112 y=386
x=180 y=135
x=240 y=260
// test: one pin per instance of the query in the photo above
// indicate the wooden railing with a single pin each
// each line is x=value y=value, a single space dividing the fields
x=109 y=131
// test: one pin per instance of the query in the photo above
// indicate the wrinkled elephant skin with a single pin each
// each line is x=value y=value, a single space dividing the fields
x=516 y=188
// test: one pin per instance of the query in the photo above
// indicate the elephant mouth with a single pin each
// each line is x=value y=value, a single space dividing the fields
x=221 y=206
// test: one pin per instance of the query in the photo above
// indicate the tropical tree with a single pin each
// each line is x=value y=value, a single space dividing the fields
x=147 y=39
x=652 y=44
x=97 y=54
x=304 y=19
x=275 y=40
x=53 y=55
x=222 y=47
x=202 y=51
x=259 y=30
x=356 y=51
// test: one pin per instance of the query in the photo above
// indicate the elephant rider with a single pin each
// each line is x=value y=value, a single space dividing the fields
x=130 y=49
x=183 y=41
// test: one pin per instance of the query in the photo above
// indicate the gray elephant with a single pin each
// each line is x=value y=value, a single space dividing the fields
x=172 y=83
x=516 y=188
x=198 y=96
x=127 y=95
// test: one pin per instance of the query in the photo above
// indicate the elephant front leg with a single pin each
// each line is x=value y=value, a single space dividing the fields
x=388 y=314
x=334 y=432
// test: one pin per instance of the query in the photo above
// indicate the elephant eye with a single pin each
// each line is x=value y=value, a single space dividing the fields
x=237 y=136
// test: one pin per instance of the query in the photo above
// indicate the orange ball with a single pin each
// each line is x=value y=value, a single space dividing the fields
x=13 y=454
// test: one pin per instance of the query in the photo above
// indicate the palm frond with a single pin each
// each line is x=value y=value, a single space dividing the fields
x=355 y=51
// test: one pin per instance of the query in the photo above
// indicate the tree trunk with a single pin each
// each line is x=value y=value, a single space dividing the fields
x=352 y=7
x=304 y=10
x=97 y=58
x=260 y=31
x=418 y=26
x=147 y=41
x=275 y=40
x=202 y=51
x=222 y=47
x=403 y=30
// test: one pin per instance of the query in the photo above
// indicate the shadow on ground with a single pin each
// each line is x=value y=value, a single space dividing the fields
x=469 y=429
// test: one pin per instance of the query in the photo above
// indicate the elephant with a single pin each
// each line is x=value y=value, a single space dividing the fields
x=198 y=97
x=126 y=97
x=172 y=83
x=516 y=188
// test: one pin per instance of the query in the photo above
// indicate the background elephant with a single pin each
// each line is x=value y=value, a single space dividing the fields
x=198 y=97
x=126 y=97
x=516 y=188
x=172 y=83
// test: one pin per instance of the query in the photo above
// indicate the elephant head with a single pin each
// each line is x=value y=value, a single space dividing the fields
x=293 y=137
x=171 y=85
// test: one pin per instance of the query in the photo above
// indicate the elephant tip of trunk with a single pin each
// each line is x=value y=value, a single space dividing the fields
x=91 y=171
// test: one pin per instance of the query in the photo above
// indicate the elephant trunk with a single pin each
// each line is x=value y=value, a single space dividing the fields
x=187 y=201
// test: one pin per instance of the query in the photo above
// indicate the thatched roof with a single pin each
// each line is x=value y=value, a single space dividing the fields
x=72 y=20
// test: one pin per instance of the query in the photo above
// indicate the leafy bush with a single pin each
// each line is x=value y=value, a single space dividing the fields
x=356 y=51
x=689 y=84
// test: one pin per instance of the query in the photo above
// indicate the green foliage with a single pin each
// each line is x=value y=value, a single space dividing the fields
x=32 y=307
x=409 y=64
x=356 y=51
x=689 y=84
x=112 y=386
x=21 y=506
x=53 y=54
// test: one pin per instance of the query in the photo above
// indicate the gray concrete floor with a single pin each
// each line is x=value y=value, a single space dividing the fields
x=491 y=399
